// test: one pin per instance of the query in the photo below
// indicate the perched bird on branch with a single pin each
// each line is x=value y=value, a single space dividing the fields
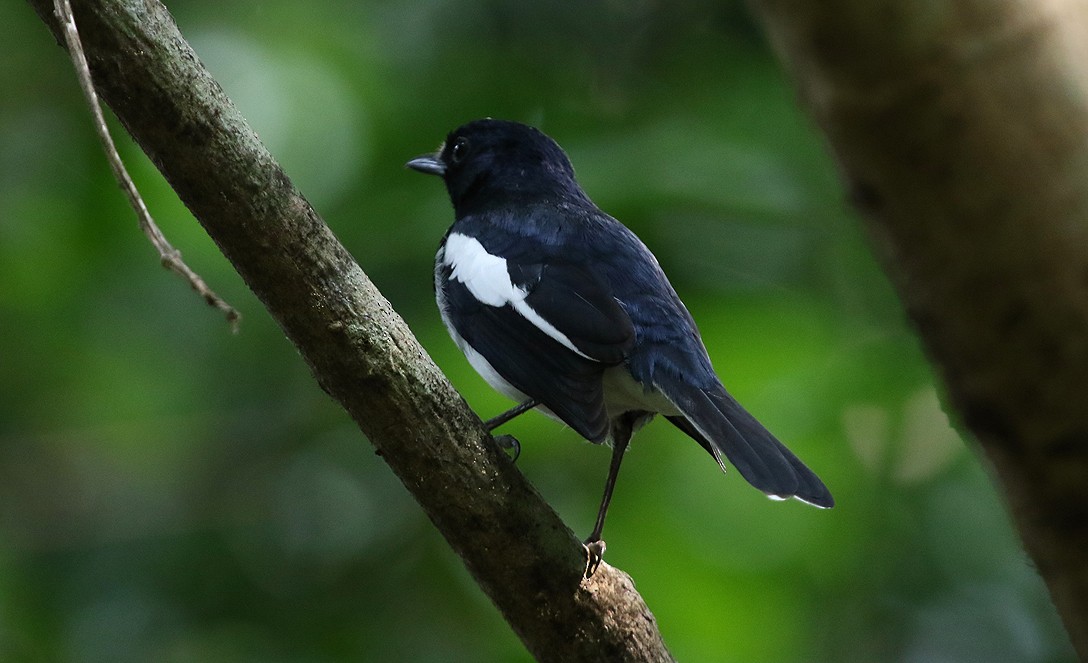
x=563 y=309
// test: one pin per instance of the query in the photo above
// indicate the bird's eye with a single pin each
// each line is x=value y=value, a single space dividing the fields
x=459 y=150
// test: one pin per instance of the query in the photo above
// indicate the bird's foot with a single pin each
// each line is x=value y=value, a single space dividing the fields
x=509 y=442
x=594 y=556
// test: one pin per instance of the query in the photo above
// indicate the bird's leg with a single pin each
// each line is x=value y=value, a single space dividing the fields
x=509 y=441
x=494 y=422
x=621 y=436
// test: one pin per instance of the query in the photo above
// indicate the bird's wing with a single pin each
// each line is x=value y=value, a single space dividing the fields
x=549 y=328
x=571 y=303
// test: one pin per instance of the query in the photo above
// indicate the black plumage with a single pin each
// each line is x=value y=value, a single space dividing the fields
x=555 y=301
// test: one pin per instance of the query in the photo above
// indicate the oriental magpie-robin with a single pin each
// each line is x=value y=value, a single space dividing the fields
x=562 y=308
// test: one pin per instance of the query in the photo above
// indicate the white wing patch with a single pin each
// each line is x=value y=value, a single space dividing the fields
x=487 y=278
x=483 y=274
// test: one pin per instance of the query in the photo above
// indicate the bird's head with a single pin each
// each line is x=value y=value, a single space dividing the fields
x=493 y=162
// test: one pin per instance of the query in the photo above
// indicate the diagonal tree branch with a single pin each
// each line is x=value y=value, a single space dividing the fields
x=962 y=131
x=359 y=350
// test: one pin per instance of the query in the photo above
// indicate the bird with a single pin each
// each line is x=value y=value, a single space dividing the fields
x=563 y=309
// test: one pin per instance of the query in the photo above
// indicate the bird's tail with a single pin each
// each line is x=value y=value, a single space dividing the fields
x=718 y=422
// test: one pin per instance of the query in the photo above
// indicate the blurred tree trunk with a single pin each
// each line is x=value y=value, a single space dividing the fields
x=961 y=129
x=516 y=547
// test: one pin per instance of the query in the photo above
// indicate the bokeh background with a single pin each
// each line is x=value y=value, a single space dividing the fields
x=172 y=492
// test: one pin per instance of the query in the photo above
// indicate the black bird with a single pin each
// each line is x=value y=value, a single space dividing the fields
x=561 y=308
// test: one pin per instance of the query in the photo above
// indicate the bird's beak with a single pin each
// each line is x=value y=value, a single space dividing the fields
x=428 y=163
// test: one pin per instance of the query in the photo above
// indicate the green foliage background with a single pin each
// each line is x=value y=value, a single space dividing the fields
x=170 y=492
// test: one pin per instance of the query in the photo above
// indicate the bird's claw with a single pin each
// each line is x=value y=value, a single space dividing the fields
x=509 y=442
x=595 y=555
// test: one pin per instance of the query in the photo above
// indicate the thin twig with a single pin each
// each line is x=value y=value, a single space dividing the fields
x=168 y=255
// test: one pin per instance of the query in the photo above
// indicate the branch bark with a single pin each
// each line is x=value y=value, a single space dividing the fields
x=360 y=351
x=961 y=129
